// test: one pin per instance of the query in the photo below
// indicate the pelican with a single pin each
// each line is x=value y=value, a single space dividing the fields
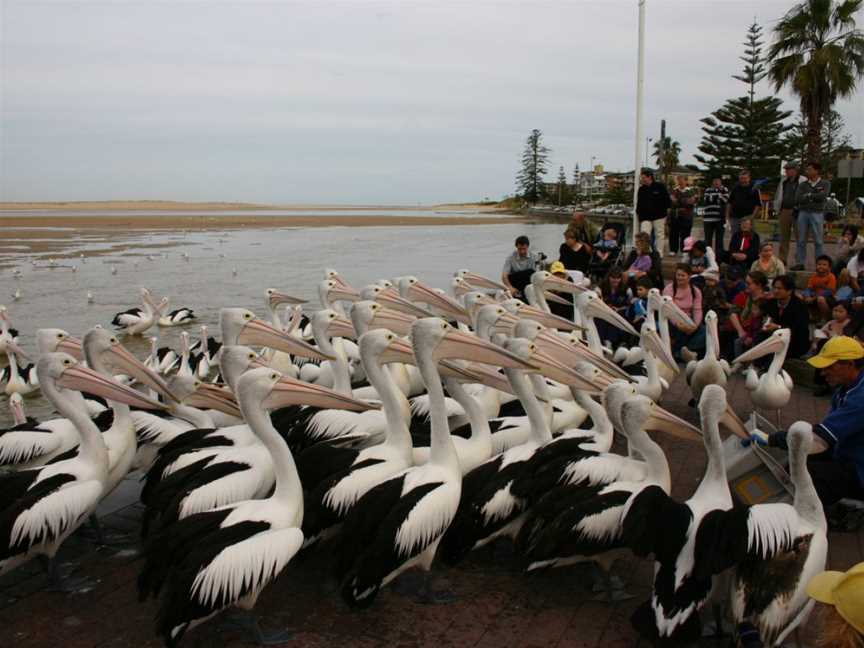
x=19 y=380
x=137 y=320
x=278 y=360
x=477 y=281
x=711 y=369
x=413 y=289
x=398 y=524
x=771 y=594
x=17 y=294
x=590 y=305
x=40 y=507
x=223 y=558
x=655 y=356
x=773 y=389
x=177 y=317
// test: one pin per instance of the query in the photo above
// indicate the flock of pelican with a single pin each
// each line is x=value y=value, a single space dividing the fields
x=397 y=427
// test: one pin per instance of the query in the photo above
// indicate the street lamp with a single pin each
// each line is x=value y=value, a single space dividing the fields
x=648 y=141
x=591 y=178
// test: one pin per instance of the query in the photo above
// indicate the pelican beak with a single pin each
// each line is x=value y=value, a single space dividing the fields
x=343 y=292
x=653 y=344
x=124 y=362
x=559 y=372
x=466 y=346
x=341 y=327
x=424 y=294
x=771 y=345
x=332 y=275
x=289 y=391
x=17 y=350
x=573 y=350
x=275 y=298
x=451 y=369
x=461 y=287
x=209 y=396
x=479 y=281
x=733 y=423
x=16 y=405
x=391 y=299
x=547 y=319
x=599 y=308
x=257 y=332
x=72 y=346
x=662 y=420
x=678 y=316
x=505 y=323
x=399 y=350
x=393 y=320
x=552 y=297
x=84 y=379
x=491 y=377
x=562 y=285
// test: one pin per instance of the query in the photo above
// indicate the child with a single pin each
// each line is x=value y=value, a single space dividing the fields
x=639 y=304
x=713 y=297
x=733 y=282
x=608 y=245
x=820 y=287
x=752 y=326
x=835 y=327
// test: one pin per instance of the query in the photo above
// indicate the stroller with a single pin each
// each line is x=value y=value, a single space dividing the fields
x=598 y=266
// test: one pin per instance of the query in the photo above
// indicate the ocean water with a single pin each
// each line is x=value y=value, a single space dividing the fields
x=292 y=260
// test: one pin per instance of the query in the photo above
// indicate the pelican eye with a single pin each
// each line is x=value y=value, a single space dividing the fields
x=391 y=336
x=532 y=347
x=67 y=362
x=114 y=340
x=274 y=376
x=60 y=336
x=247 y=316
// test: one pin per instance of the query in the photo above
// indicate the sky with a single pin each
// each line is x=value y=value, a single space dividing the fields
x=354 y=102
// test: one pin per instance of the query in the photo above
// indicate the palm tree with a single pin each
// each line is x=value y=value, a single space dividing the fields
x=819 y=54
x=671 y=154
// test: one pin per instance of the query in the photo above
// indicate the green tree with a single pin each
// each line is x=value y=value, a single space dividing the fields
x=617 y=195
x=562 y=191
x=746 y=131
x=529 y=180
x=819 y=54
x=667 y=154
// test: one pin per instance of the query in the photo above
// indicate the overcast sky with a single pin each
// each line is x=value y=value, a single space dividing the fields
x=348 y=102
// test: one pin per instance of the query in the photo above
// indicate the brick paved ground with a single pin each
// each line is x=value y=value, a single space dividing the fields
x=498 y=606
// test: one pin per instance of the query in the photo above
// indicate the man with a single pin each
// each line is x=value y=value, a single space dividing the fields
x=683 y=200
x=652 y=204
x=714 y=202
x=837 y=462
x=518 y=267
x=582 y=230
x=810 y=199
x=784 y=207
x=744 y=201
x=787 y=310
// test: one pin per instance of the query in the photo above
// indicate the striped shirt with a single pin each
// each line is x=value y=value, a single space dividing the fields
x=714 y=203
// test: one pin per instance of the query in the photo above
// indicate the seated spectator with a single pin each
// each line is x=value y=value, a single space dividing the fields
x=786 y=310
x=842 y=318
x=821 y=288
x=638 y=309
x=700 y=258
x=562 y=310
x=689 y=299
x=733 y=282
x=768 y=263
x=607 y=246
x=852 y=277
x=713 y=297
x=745 y=317
x=744 y=245
x=574 y=254
x=518 y=267
x=850 y=243
x=582 y=230
x=643 y=261
x=615 y=293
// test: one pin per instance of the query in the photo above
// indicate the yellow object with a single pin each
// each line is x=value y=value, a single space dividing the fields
x=843 y=590
x=837 y=348
x=557 y=267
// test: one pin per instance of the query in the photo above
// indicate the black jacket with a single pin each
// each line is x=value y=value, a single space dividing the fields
x=652 y=202
x=735 y=246
x=743 y=201
x=796 y=318
x=574 y=260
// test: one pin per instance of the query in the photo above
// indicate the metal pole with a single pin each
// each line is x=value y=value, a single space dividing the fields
x=640 y=82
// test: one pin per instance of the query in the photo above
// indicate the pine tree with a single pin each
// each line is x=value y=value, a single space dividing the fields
x=562 y=191
x=746 y=132
x=529 y=180
x=834 y=141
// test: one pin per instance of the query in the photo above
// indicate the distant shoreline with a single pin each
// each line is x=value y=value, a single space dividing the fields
x=180 y=206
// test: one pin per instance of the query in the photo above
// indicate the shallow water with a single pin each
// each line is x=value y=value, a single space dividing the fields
x=385 y=212
x=292 y=260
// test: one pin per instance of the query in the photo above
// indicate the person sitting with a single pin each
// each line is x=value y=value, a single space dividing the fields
x=842 y=593
x=744 y=245
x=745 y=318
x=562 y=310
x=519 y=266
x=607 y=246
x=850 y=243
x=615 y=293
x=713 y=298
x=852 y=278
x=689 y=299
x=574 y=254
x=700 y=258
x=582 y=230
x=733 y=282
x=836 y=463
x=786 y=310
x=643 y=261
x=821 y=287
x=638 y=309
x=768 y=263
x=839 y=325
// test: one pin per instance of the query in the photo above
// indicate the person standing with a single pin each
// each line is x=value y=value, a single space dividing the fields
x=810 y=199
x=784 y=207
x=683 y=200
x=714 y=202
x=744 y=201
x=652 y=205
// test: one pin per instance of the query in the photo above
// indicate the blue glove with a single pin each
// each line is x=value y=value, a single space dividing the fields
x=773 y=440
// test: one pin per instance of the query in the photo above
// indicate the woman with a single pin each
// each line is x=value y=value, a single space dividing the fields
x=744 y=246
x=745 y=319
x=850 y=243
x=768 y=264
x=700 y=257
x=643 y=261
x=616 y=295
x=573 y=253
x=689 y=299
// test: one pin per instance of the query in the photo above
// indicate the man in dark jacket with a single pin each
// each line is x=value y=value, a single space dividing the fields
x=786 y=310
x=652 y=206
x=744 y=201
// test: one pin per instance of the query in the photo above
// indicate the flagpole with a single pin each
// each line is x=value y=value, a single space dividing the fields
x=640 y=83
